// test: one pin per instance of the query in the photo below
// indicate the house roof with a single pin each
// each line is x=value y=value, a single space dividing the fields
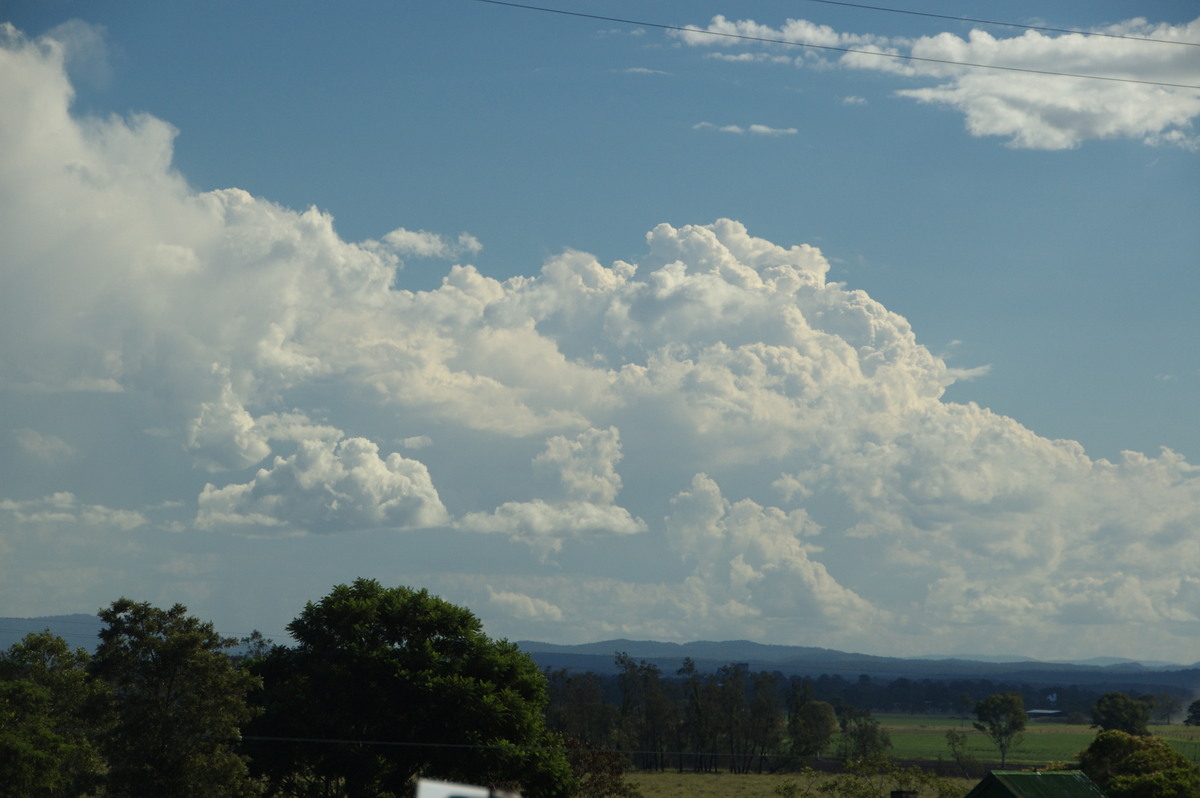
x=1034 y=784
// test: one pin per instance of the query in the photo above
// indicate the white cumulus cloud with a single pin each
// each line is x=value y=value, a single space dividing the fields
x=326 y=487
x=1019 y=101
x=709 y=439
x=420 y=243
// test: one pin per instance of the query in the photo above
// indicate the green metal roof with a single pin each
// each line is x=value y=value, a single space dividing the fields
x=1033 y=784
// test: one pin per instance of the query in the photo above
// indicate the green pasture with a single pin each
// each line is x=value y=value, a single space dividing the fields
x=924 y=737
x=1042 y=743
x=918 y=738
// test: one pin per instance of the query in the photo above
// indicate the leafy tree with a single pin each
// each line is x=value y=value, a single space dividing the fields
x=1166 y=706
x=648 y=716
x=811 y=724
x=49 y=719
x=578 y=709
x=862 y=735
x=876 y=776
x=1002 y=718
x=600 y=773
x=178 y=701
x=956 y=741
x=1119 y=712
x=385 y=684
x=734 y=717
x=1138 y=766
x=1193 y=714
x=699 y=726
x=765 y=723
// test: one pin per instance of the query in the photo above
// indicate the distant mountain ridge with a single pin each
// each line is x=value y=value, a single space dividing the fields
x=79 y=630
x=1102 y=673
x=746 y=651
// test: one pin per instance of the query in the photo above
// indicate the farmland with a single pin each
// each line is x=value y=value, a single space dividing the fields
x=918 y=738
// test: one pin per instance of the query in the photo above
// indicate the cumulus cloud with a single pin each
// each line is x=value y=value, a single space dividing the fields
x=419 y=243
x=758 y=557
x=586 y=465
x=85 y=51
x=65 y=508
x=543 y=525
x=522 y=606
x=708 y=440
x=1035 y=111
x=326 y=487
x=584 y=468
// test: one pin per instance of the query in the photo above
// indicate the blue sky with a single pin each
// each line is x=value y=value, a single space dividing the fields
x=440 y=292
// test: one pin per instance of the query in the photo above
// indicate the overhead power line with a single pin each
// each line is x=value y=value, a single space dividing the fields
x=1006 y=24
x=787 y=42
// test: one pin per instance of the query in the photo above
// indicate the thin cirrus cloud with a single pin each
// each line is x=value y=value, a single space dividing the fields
x=1034 y=111
x=709 y=441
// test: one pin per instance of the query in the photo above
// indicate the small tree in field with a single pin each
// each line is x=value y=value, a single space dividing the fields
x=1118 y=712
x=1002 y=718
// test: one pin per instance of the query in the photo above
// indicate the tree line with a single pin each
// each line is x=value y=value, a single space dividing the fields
x=737 y=720
x=382 y=686
x=385 y=685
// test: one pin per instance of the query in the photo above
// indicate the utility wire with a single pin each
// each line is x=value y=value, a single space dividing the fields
x=1006 y=24
x=478 y=746
x=898 y=56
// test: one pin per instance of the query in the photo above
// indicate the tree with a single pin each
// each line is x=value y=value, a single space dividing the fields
x=50 y=719
x=1166 y=706
x=578 y=709
x=699 y=724
x=956 y=741
x=394 y=683
x=647 y=714
x=1119 y=712
x=600 y=773
x=1193 y=714
x=178 y=701
x=862 y=736
x=1002 y=718
x=811 y=724
x=1138 y=766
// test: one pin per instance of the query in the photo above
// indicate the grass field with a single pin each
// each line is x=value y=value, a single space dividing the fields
x=1042 y=743
x=726 y=785
x=922 y=738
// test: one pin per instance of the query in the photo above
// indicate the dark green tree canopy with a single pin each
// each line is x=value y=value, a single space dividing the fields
x=1139 y=766
x=179 y=701
x=1002 y=718
x=1193 y=714
x=1119 y=712
x=863 y=737
x=399 y=683
x=811 y=725
x=50 y=719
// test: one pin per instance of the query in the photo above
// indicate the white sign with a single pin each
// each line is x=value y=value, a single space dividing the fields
x=428 y=788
